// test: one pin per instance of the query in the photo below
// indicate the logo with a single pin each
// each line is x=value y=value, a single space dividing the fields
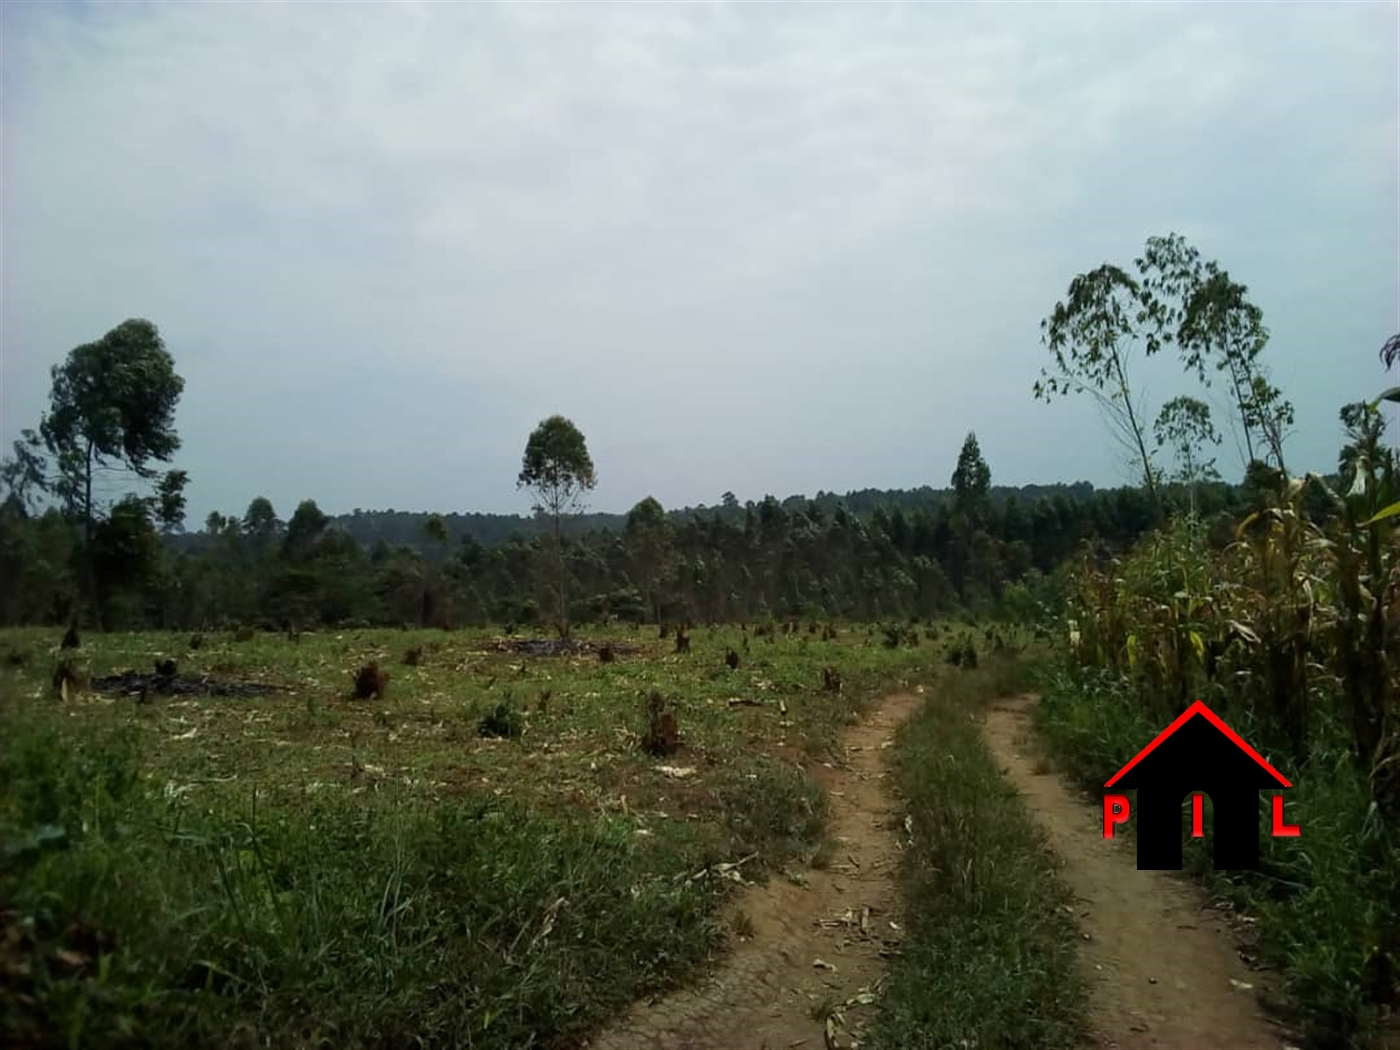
x=1200 y=755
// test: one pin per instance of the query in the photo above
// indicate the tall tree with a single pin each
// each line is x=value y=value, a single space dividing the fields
x=972 y=478
x=168 y=504
x=309 y=522
x=1092 y=336
x=112 y=405
x=558 y=470
x=648 y=538
x=1209 y=315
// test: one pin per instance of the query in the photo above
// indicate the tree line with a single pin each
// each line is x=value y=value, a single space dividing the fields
x=66 y=554
x=770 y=558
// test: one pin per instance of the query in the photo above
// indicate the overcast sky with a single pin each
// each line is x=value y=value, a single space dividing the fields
x=749 y=247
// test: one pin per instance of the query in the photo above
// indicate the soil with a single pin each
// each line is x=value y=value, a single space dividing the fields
x=814 y=948
x=1164 y=966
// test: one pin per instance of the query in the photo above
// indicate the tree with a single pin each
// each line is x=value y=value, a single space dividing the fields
x=111 y=409
x=1091 y=336
x=648 y=537
x=1217 y=328
x=430 y=574
x=557 y=470
x=435 y=531
x=972 y=479
x=168 y=505
x=127 y=556
x=260 y=524
x=23 y=472
x=1184 y=426
x=308 y=523
x=112 y=405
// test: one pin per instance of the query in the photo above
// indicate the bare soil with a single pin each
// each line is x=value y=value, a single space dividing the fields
x=807 y=972
x=1164 y=966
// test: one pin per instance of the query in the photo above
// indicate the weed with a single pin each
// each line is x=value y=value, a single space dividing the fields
x=501 y=721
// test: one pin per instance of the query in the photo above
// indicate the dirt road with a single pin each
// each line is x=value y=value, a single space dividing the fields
x=1163 y=967
x=815 y=949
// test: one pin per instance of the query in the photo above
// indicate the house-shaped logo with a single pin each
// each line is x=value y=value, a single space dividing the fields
x=1198 y=754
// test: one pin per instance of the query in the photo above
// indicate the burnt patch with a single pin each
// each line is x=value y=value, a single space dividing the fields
x=136 y=683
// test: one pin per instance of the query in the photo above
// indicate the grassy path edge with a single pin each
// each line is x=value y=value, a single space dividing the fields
x=989 y=955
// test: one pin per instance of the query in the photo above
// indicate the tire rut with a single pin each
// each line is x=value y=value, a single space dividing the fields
x=1162 y=966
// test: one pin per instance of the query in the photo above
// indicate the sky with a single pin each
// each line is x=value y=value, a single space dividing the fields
x=760 y=248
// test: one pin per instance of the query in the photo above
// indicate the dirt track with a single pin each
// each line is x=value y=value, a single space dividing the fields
x=770 y=991
x=1163 y=966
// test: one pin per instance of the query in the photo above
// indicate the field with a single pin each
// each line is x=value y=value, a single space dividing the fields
x=484 y=855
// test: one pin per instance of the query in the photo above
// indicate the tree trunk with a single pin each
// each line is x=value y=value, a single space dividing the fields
x=89 y=567
x=1137 y=433
x=563 y=583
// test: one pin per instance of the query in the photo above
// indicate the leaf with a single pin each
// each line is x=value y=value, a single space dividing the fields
x=1393 y=394
x=1384 y=513
x=1241 y=631
x=1132 y=651
x=1198 y=644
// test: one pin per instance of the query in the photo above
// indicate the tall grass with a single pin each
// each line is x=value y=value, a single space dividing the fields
x=142 y=921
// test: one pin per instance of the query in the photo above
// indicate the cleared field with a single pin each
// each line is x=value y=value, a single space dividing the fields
x=314 y=869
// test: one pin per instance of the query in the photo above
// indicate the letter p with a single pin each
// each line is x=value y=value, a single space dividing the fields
x=1115 y=811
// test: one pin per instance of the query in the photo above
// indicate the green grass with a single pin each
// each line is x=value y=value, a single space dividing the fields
x=988 y=959
x=1322 y=902
x=308 y=870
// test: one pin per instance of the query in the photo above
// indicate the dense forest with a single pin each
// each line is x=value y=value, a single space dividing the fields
x=870 y=554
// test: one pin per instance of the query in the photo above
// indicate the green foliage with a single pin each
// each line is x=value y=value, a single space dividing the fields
x=1286 y=635
x=556 y=467
x=972 y=478
x=558 y=470
x=501 y=721
x=989 y=951
x=649 y=537
x=313 y=871
x=775 y=810
x=168 y=504
x=1092 y=335
x=1176 y=298
x=353 y=916
x=113 y=401
x=1184 y=427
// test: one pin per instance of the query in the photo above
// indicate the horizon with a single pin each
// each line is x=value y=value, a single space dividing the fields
x=745 y=248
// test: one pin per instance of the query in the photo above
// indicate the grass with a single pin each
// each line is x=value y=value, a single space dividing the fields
x=988 y=958
x=1319 y=901
x=306 y=870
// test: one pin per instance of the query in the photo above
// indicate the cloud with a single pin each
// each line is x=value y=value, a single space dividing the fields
x=747 y=247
